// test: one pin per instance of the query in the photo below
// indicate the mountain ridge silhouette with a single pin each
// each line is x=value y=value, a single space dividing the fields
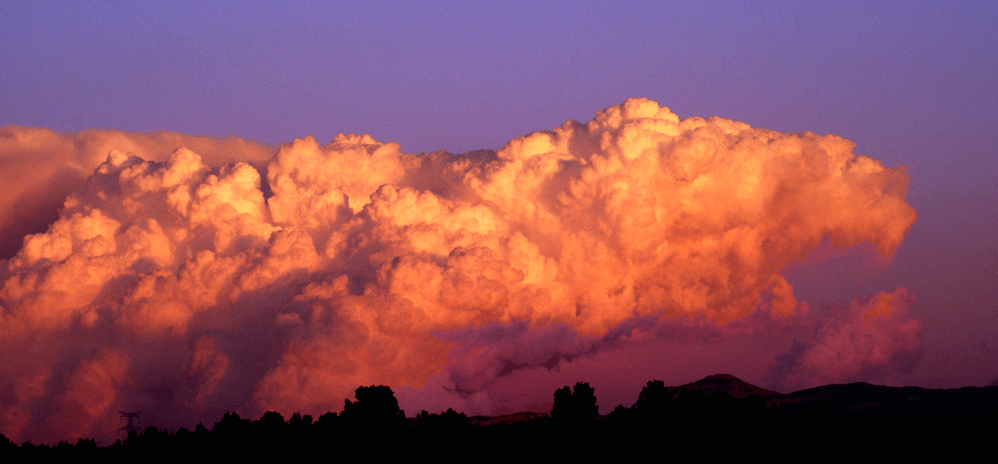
x=851 y=398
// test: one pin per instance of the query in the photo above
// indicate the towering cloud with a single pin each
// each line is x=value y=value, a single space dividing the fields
x=39 y=168
x=185 y=287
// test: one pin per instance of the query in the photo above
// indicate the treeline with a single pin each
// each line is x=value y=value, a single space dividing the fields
x=687 y=423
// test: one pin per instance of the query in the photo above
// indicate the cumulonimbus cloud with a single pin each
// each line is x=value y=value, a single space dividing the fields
x=185 y=287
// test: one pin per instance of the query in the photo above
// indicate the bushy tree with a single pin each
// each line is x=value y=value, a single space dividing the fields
x=575 y=406
x=655 y=404
x=376 y=408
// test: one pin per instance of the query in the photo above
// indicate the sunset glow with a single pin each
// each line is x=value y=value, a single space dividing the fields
x=782 y=229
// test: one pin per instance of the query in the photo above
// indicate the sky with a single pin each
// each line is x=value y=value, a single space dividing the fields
x=794 y=193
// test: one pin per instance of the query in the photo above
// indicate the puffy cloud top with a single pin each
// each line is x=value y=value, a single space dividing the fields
x=229 y=285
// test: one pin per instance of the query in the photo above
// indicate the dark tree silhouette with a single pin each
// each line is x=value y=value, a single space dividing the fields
x=376 y=408
x=561 y=411
x=655 y=405
x=230 y=424
x=584 y=398
x=575 y=407
x=621 y=414
x=327 y=423
x=299 y=421
x=448 y=421
x=272 y=422
x=270 y=431
x=6 y=445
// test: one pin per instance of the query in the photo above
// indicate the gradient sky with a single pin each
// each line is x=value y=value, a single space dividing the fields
x=911 y=83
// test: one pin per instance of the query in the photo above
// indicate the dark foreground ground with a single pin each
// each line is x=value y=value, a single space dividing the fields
x=719 y=417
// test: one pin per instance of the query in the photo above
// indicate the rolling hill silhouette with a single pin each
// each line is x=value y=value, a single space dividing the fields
x=725 y=383
x=859 y=397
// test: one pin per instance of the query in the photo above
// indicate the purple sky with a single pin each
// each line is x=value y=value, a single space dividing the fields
x=911 y=84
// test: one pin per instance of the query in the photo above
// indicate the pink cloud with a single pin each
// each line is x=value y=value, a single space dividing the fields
x=190 y=283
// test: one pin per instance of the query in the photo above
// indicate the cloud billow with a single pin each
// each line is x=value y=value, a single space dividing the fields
x=186 y=285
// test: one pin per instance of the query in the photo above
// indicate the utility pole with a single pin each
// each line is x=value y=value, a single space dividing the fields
x=131 y=429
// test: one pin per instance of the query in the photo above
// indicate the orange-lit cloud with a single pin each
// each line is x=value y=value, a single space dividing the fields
x=184 y=285
x=39 y=168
